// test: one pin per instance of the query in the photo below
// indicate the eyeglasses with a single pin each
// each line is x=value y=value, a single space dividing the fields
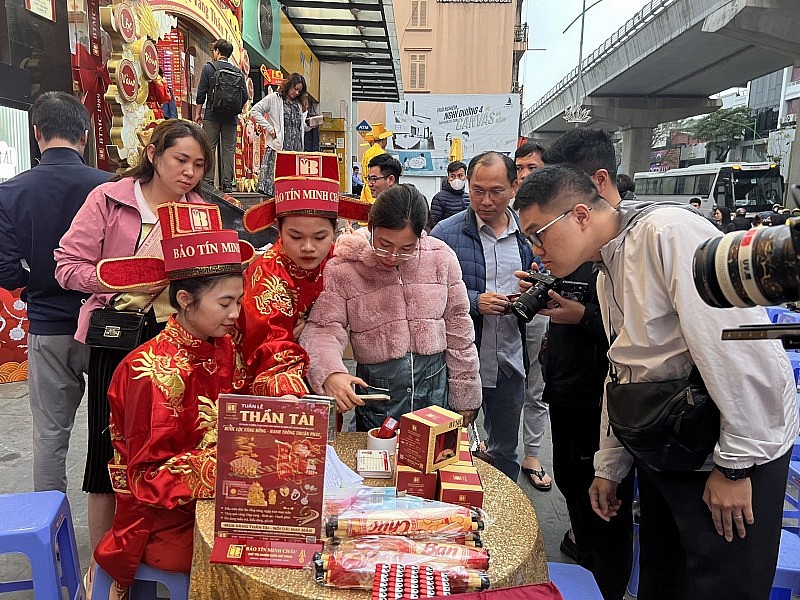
x=494 y=195
x=401 y=256
x=374 y=178
x=535 y=239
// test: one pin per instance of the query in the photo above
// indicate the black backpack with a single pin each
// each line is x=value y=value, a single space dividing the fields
x=226 y=90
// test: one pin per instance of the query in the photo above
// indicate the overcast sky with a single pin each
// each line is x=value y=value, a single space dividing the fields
x=539 y=70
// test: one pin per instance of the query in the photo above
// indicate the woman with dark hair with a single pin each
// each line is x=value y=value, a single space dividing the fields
x=281 y=285
x=400 y=299
x=626 y=187
x=116 y=220
x=722 y=218
x=281 y=114
x=163 y=396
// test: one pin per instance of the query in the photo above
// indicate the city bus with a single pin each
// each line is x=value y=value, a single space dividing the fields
x=754 y=186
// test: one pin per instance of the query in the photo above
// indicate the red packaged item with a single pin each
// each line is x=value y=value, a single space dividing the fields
x=435 y=518
x=388 y=429
x=474 y=558
x=355 y=570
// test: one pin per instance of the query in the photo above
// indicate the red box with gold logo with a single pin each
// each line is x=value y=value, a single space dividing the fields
x=429 y=438
x=460 y=484
x=410 y=480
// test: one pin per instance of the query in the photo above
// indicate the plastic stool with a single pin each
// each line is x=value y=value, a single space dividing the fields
x=787 y=574
x=144 y=587
x=573 y=581
x=38 y=524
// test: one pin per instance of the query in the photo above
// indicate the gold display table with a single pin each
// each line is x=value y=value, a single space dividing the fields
x=514 y=540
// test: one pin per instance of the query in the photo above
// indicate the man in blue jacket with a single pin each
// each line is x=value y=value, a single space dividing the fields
x=36 y=209
x=487 y=240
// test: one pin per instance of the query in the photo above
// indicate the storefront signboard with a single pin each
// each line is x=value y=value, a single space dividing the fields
x=210 y=15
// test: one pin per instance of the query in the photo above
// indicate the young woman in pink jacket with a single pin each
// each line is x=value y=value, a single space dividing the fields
x=399 y=297
x=113 y=222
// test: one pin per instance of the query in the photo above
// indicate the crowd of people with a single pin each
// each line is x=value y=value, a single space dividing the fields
x=423 y=297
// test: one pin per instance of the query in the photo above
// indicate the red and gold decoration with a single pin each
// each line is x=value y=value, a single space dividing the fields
x=306 y=183
x=13 y=337
x=271 y=76
x=91 y=74
x=277 y=291
x=194 y=245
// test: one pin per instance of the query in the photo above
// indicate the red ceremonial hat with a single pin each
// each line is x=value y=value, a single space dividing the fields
x=306 y=183
x=194 y=245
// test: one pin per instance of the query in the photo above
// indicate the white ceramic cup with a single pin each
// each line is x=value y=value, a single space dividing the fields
x=376 y=443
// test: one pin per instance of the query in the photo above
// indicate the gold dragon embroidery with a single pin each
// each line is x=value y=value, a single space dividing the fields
x=165 y=373
x=274 y=297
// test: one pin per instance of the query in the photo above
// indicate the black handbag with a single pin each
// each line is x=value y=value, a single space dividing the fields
x=117 y=329
x=670 y=425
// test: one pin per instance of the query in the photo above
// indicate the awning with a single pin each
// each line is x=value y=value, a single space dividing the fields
x=361 y=32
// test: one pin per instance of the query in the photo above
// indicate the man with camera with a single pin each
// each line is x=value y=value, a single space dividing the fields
x=487 y=240
x=711 y=484
x=575 y=367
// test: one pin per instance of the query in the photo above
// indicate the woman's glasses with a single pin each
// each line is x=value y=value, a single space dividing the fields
x=381 y=253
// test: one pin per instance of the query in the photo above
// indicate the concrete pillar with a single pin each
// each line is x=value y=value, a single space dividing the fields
x=336 y=91
x=636 y=144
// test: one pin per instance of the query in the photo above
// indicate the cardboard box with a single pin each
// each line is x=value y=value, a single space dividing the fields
x=410 y=480
x=460 y=484
x=429 y=438
x=464 y=452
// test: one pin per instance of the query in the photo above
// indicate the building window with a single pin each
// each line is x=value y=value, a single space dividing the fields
x=795 y=75
x=417 y=73
x=419 y=13
x=792 y=106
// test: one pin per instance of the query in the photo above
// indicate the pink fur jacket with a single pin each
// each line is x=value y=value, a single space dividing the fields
x=421 y=306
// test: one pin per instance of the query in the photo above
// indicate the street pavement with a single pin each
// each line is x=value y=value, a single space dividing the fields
x=16 y=475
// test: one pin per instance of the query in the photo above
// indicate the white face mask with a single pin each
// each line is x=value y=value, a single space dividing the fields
x=458 y=184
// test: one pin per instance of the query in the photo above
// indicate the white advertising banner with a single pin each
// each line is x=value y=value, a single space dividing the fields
x=432 y=129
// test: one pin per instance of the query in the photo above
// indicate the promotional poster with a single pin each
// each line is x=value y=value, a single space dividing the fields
x=270 y=479
x=430 y=131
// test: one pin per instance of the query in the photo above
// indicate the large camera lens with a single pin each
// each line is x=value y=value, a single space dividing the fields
x=757 y=267
x=535 y=298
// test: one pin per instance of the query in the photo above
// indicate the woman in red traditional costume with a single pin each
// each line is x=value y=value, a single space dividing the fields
x=281 y=285
x=163 y=396
x=116 y=220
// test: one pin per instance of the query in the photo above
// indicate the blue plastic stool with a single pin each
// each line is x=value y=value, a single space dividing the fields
x=145 y=586
x=573 y=581
x=787 y=574
x=38 y=524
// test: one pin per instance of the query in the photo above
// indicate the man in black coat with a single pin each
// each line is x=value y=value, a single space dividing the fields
x=453 y=197
x=36 y=209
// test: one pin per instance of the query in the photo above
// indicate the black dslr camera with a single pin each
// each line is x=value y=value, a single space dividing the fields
x=536 y=297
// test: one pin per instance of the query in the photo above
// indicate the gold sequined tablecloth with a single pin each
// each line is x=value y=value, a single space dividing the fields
x=513 y=538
